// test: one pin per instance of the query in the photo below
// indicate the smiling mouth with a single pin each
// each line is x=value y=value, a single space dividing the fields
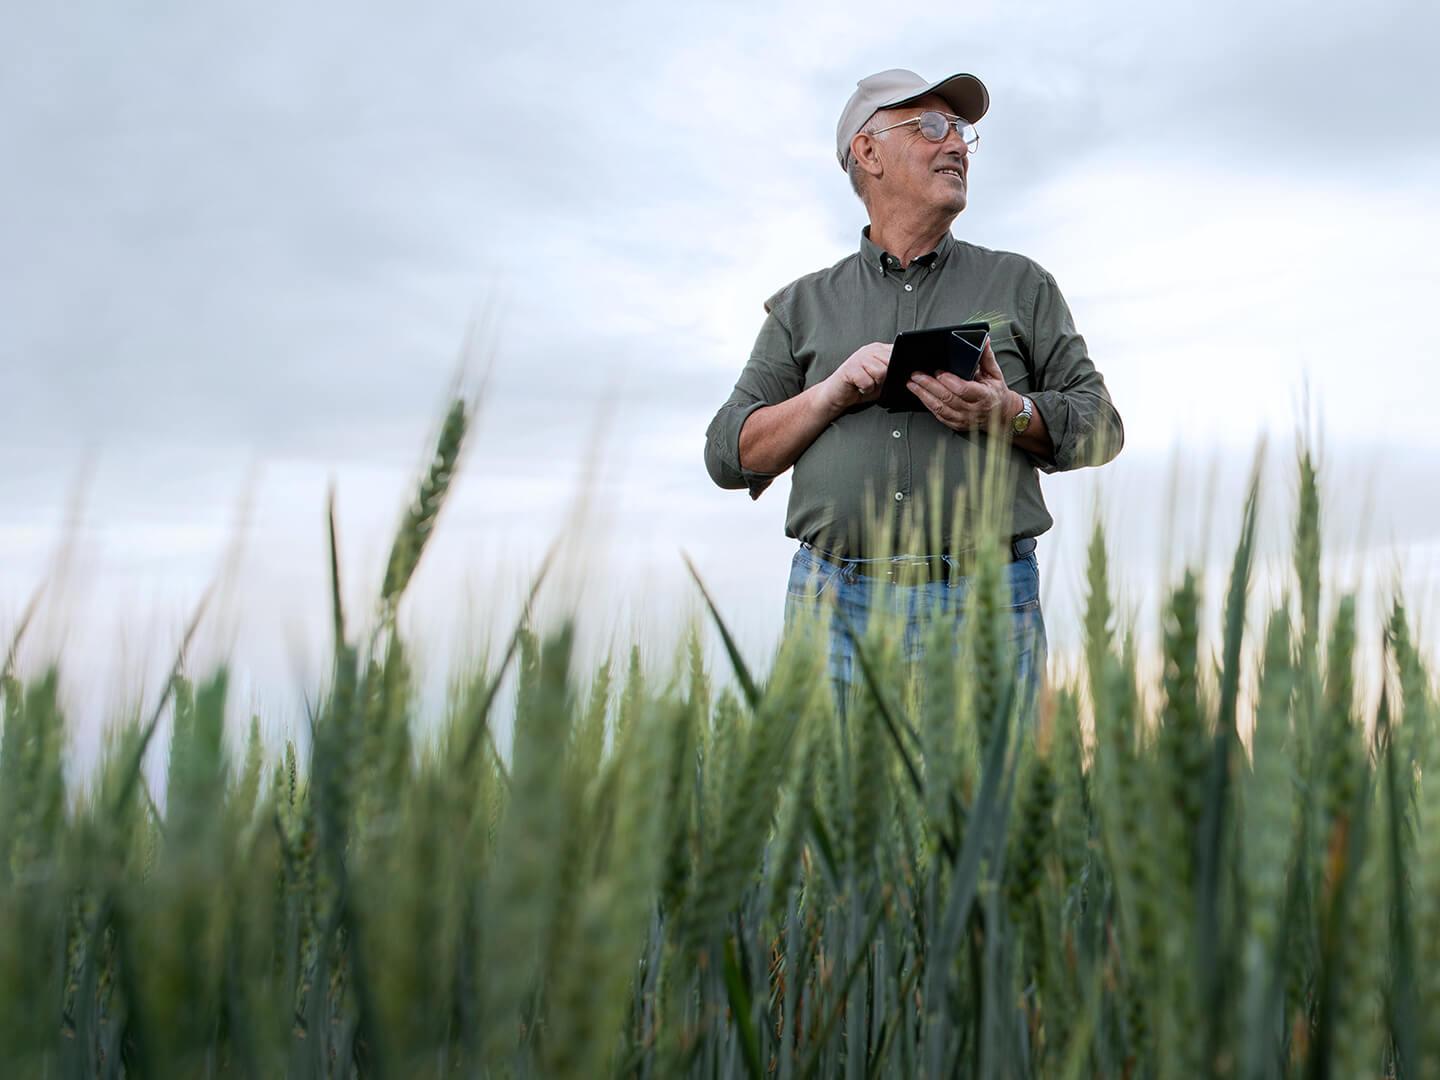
x=952 y=172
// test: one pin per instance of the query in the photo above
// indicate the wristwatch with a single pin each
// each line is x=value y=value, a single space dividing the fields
x=1022 y=419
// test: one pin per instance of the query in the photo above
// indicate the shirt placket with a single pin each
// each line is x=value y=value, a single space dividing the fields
x=908 y=316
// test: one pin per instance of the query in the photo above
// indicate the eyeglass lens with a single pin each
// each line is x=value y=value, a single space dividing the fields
x=935 y=126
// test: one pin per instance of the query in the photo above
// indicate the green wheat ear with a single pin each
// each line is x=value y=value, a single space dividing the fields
x=1306 y=560
x=420 y=516
x=1073 y=810
x=996 y=319
x=751 y=791
x=1000 y=325
x=1417 y=706
x=798 y=803
x=1426 y=873
x=522 y=892
x=1268 y=841
x=588 y=745
x=1034 y=834
x=247 y=790
x=1185 y=735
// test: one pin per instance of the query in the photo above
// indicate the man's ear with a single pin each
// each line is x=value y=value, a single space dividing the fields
x=865 y=149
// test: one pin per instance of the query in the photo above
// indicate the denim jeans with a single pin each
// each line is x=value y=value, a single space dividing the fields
x=817 y=584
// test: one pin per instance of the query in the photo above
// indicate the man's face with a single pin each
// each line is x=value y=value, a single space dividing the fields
x=919 y=172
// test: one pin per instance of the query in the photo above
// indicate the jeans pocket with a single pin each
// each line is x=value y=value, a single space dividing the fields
x=1025 y=583
x=810 y=576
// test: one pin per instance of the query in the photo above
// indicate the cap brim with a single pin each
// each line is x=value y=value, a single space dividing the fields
x=964 y=93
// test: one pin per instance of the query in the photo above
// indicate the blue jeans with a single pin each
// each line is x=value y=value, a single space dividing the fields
x=816 y=583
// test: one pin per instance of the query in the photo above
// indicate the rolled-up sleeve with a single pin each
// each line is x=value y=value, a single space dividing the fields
x=770 y=376
x=1084 y=426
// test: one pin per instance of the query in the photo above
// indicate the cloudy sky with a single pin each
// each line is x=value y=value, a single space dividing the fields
x=243 y=243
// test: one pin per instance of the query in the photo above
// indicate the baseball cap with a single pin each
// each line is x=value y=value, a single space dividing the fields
x=965 y=94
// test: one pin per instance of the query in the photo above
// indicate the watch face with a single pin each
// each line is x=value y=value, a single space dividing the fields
x=1022 y=419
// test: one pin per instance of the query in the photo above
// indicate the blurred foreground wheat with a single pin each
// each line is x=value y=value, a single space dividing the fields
x=666 y=881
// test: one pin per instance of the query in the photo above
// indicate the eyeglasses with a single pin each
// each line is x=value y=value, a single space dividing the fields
x=935 y=126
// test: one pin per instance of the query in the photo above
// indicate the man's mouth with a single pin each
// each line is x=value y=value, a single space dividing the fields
x=952 y=172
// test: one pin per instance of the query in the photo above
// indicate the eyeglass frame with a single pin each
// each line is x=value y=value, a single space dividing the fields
x=952 y=123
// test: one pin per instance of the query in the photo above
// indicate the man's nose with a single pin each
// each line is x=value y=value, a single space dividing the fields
x=953 y=139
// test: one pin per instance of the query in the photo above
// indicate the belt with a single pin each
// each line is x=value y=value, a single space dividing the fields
x=919 y=567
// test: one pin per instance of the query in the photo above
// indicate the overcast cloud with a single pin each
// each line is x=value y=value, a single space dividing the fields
x=251 y=237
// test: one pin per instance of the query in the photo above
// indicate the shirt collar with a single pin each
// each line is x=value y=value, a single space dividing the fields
x=876 y=257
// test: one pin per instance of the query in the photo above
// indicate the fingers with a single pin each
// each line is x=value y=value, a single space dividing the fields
x=876 y=351
x=938 y=400
x=956 y=403
x=929 y=382
x=876 y=369
x=964 y=389
x=930 y=401
x=870 y=377
x=932 y=392
x=956 y=419
x=866 y=367
x=950 y=388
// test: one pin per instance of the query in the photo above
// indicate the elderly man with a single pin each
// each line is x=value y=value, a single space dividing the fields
x=807 y=397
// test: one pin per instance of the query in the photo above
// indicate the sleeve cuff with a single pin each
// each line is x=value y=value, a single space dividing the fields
x=1084 y=430
x=1054 y=410
x=722 y=451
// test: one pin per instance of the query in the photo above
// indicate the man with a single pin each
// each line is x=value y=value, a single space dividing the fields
x=807 y=396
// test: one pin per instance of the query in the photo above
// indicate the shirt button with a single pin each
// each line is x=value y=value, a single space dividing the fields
x=895 y=434
x=909 y=287
x=899 y=495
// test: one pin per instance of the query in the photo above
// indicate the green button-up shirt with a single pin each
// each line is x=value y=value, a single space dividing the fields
x=885 y=458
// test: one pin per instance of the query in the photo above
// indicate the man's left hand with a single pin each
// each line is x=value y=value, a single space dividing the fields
x=967 y=405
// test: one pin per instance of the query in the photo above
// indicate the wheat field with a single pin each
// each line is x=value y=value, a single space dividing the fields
x=675 y=871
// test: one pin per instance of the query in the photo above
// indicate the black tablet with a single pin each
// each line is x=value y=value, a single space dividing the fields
x=955 y=349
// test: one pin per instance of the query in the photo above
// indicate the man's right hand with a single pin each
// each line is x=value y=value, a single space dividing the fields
x=860 y=377
x=774 y=436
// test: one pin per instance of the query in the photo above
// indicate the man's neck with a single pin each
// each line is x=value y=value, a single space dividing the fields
x=907 y=236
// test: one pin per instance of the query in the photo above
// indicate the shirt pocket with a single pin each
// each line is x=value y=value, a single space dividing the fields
x=1007 y=349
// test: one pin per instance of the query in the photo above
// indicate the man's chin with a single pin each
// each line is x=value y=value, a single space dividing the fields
x=952 y=197
x=952 y=203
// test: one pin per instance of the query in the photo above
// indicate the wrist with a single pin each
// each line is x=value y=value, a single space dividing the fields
x=827 y=396
x=1010 y=407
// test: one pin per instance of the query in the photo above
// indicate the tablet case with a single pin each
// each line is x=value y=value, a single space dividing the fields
x=938 y=348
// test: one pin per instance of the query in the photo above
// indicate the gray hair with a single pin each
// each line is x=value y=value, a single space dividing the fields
x=859 y=178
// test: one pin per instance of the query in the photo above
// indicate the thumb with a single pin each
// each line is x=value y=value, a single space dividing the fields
x=988 y=366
